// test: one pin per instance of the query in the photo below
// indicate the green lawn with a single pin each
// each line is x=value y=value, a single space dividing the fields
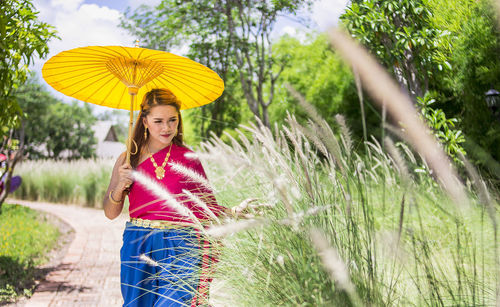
x=25 y=238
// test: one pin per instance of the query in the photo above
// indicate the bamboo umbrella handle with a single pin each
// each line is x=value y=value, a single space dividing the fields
x=130 y=124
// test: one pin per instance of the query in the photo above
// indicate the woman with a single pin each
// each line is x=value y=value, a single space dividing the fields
x=163 y=258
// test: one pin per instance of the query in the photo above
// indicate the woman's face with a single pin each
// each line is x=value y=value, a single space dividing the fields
x=162 y=123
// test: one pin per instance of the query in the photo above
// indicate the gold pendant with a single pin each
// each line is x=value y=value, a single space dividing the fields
x=160 y=172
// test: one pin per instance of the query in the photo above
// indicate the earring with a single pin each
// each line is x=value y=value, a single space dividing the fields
x=146 y=133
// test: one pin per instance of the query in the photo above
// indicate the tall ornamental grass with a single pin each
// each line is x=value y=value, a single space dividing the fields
x=392 y=226
x=82 y=182
x=345 y=229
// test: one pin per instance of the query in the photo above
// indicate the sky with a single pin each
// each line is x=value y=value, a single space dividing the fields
x=82 y=23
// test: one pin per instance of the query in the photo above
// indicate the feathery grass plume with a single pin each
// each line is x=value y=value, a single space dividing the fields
x=245 y=204
x=190 y=173
x=334 y=265
x=398 y=161
x=361 y=102
x=298 y=217
x=272 y=153
x=278 y=184
x=405 y=177
x=219 y=231
x=201 y=204
x=386 y=92
x=328 y=137
x=227 y=229
x=148 y=260
x=236 y=146
x=160 y=192
x=308 y=133
x=497 y=5
x=215 y=154
x=323 y=129
x=346 y=135
x=485 y=198
x=303 y=160
x=243 y=138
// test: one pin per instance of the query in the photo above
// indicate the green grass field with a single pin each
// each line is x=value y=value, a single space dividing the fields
x=25 y=239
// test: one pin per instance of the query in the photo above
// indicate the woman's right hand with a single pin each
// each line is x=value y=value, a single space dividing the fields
x=125 y=179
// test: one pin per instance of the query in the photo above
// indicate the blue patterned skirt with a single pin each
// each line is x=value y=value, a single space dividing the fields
x=163 y=267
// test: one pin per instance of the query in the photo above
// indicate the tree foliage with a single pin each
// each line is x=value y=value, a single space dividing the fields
x=55 y=129
x=474 y=53
x=22 y=36
x=440 y=51
x=231 y=36
x=317 y=72
x=399 y=34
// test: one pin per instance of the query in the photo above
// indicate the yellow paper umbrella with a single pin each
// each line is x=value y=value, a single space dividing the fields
x=106 y=75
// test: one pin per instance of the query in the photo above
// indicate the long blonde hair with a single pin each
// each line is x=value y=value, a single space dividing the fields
x=155 y=97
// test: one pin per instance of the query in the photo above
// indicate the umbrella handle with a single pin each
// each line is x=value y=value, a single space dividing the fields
x=136 y=147
x=130 y=124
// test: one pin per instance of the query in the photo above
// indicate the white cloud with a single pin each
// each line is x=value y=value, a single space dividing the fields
x=323 y=15
x=68 y=5
x=136 y=3
x=326 y=12
x=79 y=25
x=299 y=34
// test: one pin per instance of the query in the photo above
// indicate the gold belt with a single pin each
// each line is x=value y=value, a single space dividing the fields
x=159 y=224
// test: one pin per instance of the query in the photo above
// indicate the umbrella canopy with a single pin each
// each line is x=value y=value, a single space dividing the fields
x=105 y=75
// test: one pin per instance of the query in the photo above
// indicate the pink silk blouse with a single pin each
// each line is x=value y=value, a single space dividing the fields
x=145 y=205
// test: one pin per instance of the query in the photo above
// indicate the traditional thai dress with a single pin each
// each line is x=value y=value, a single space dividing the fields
x=164 y=259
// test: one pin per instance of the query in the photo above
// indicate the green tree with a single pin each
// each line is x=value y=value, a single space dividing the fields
x=163 y=28
x=473 y=49
x=440 y=51
x=22 y=36
x=399 y=34
x=231 y=36
x=54 y=128
x=319 y=74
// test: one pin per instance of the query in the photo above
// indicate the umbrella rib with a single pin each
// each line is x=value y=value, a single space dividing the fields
x=181 y=90
x=82 y=88
x=99 y=88
x=150 y=73
x=73 y=71
x=67 y=79
x=191 y=68
x=191 y=77
x=182 y=81
x=77 y=55
x=66 y=65
x=111 y=52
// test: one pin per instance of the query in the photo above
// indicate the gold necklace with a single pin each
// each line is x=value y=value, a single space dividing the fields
x=160 y=170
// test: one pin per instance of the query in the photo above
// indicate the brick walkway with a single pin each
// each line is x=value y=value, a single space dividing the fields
x=89 y=274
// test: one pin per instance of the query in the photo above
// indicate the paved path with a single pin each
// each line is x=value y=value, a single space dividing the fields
x=89 y=274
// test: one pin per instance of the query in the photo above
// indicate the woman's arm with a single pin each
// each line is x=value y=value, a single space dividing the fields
x=121 y=179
